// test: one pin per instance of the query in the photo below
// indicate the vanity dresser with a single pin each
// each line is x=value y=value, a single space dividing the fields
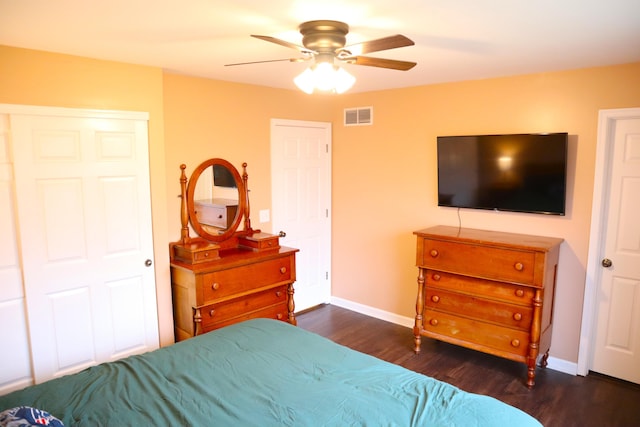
x=488 y=291
x=229 y=272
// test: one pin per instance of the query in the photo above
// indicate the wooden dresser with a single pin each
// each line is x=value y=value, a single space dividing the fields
x=229 y=272
x=241 y=284
x=488 y=291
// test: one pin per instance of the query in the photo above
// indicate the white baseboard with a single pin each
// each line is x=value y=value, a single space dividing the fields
x=373 y=312
x=554 y=363
x=561 y=365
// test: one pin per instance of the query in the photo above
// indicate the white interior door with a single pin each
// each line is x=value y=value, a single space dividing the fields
x=616 y=343
x=301 y=203
x=84 y=218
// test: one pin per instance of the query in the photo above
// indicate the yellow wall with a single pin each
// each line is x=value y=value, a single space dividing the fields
x=207 y=118
x=384 y=180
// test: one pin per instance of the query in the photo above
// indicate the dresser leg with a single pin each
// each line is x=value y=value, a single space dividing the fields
x=417 y=328
x=417 y=340
x=291 y=307
x=543 y=361
x=531 y=375
x=197 y=322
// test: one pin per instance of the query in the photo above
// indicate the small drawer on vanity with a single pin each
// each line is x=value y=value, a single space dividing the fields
x=516 y=294
x=224 y=283
x=479 y=261
x=205 y=255
x=515 y=316
x=233 y=308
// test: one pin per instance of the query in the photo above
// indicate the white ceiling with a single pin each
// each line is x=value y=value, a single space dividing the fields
x=454 y=39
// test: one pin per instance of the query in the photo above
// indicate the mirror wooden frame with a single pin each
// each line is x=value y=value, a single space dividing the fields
x=229 y=242
x=242 y=211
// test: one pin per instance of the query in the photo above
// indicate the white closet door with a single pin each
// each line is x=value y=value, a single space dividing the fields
x=84 y=218
x=15 y=360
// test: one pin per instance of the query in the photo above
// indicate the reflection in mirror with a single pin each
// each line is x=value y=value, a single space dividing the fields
x=216 y=199
x=215 y=204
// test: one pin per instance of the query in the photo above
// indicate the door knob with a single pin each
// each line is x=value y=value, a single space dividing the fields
x=148 y=263
x=607 y=262
x=282 y=234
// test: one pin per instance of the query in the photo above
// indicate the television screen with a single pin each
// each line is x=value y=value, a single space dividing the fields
x=519 y=173
x=222 y=177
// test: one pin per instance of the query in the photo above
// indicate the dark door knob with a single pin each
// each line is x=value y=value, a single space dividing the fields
x=607 y=263
x=282 y=234
x=148 y=263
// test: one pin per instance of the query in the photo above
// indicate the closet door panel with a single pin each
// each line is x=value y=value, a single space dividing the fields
x=60 y=201
x=15 y=364
x=70 y=312
x=127 y=318
x=85 y=223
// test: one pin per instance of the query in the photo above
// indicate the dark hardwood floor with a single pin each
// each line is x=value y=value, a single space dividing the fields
x=557 y=399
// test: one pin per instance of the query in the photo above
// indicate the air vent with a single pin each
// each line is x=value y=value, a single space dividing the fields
x=360 y=116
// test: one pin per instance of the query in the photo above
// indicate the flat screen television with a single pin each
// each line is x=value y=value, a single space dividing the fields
x=222 y=177
x=518 y=173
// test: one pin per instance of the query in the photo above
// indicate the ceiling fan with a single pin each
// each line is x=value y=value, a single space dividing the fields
x=324 y=41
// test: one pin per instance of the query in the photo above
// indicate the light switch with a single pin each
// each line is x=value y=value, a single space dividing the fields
x=264 y=215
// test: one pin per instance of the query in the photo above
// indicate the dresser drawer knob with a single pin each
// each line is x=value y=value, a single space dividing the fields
x=215 y=286
x=518 y=266
x=278 y=294
x=435 y=298
x=212 y=312
x=519 y=293
x=279 y=316
x=436 y=277
x=517 y=316
x=283 y=270
x=434 y=253
x=433 y=322
x=515 y=343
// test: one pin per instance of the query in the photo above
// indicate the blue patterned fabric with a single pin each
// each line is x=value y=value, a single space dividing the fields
x=25 y=416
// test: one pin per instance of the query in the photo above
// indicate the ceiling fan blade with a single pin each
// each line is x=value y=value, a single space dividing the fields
x=269 y=60
x=377 y=45
x=381 y=62
x=281 y=43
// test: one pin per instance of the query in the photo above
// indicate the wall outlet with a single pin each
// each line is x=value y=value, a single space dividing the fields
x=264 y=215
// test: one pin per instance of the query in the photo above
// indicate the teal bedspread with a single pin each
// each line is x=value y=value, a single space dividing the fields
x=260 y=373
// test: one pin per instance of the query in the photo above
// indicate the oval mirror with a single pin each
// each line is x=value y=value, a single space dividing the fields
x=216 y=200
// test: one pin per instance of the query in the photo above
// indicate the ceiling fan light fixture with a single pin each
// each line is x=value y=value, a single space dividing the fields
x=324 y=77
x=324 y=42
x=305 y=81
x=343 y=81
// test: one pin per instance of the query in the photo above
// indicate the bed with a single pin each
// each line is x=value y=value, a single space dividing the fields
x=259 y=372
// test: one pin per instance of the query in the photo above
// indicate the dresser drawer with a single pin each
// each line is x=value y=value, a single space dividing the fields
x=205 y=255
x=219 y=215
x=515 y=316
x=516 y=294
x=228 y=282
x=474 y=334
x=220 y=312
x=479 y=261
x=276 y=312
